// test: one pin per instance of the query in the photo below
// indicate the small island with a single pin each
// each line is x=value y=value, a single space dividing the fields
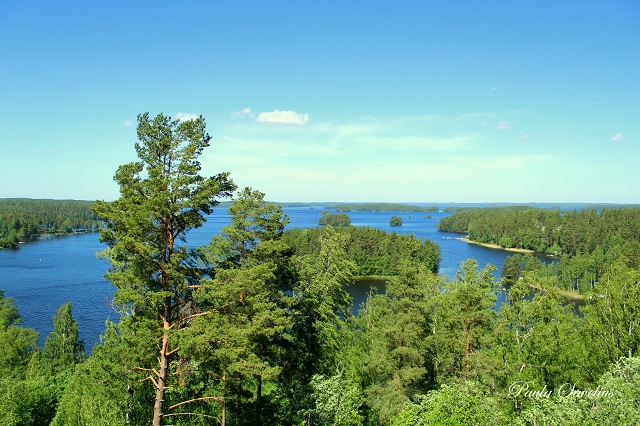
x=395 y=221
x=334 y=219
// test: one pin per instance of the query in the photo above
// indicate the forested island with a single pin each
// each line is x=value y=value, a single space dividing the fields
x=256 y=327
x=334 y=219
x=23 y=219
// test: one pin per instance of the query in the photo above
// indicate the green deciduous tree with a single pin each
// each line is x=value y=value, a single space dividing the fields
x=455 y=404
x=104 y=389
x=18 y=344
x=612 y=313
x=63 y=347
x=337 y=401
x=162 y=197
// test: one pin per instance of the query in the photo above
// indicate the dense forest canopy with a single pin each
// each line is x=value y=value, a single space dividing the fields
x=23 y=219
x=256 y=327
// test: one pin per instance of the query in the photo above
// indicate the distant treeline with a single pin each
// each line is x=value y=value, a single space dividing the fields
x=383 y=207
x=23 y=219
x=454 y=209
x=374 y=251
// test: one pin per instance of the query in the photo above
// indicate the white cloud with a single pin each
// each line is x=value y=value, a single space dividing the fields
x=503 y=125
x=183 y=116
x=617 y=138
x=244 y=113
x=283 y=117
x=526 y=137
x=128 y=123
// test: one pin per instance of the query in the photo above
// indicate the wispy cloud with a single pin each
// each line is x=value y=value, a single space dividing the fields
x=433 y=153
x=283 y=117
x=617 y=138
x=244 y=113
x=503 y=125
x=128 y=123
x=183 y=116
x=526 y=137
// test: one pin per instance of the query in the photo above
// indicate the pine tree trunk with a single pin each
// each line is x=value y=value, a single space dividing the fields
x=259 y=391
x=223 y=416
x=164 y=364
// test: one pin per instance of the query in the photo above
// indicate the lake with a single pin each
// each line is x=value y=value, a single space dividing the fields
x=43 y=275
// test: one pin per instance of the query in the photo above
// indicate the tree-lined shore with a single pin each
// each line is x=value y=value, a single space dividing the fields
x=25 y=219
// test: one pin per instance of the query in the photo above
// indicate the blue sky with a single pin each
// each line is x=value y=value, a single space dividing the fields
x=415 y=101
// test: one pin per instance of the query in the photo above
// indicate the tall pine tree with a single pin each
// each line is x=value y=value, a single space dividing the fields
x=162 y=197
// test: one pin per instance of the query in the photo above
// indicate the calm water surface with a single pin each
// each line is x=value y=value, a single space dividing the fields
x=45 y=274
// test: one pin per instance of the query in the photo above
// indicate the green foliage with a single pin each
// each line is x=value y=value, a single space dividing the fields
x=539 y=339
x=18 y=344
x=395 y=221
x=27 y=402
x=464 y=320
x=254 y=227
x=9 y=314
x=334 y=219
x=393 y=338
x=612 y=313
x=32 y=382
x=452 y=405
x=234 y=344
x=62 y=348
x=105 y=390
x=322 y=302
x=612 y=400
x=337 y=402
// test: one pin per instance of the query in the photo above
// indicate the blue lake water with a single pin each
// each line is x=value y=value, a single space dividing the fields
x=42 y=275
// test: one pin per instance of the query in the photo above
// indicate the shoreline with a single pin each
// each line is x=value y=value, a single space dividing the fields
x=573 y=295
x=495 y=246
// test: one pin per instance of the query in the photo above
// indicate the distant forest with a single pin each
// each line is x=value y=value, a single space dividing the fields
x=383 y=207
x=23 y=219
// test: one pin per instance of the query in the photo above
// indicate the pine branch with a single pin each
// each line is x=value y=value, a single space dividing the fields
x=191 y=414
x=204 y=398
